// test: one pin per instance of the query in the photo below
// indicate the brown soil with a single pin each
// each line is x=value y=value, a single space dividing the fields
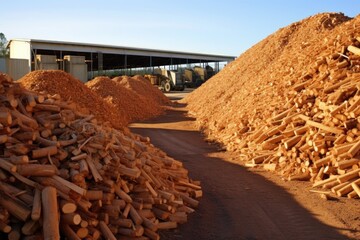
x=240 y=203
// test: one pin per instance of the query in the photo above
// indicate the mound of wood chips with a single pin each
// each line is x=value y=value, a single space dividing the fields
x=62 y=175
x=63 y=84
x=291 y=103
x=118 y=101
x=143 y=87
x=136 y=98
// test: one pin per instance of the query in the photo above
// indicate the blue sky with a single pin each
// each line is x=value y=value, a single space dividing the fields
x=226 y=27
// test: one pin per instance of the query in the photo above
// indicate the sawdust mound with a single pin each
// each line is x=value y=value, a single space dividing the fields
x=143 y=87
x=69 y=88
x=148 y=100
x=253 y=87
x=131 y=104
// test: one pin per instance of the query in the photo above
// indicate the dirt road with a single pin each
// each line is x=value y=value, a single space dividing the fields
x=237 y=203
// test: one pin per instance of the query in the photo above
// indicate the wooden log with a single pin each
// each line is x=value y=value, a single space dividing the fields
x=7 y=165
x=67 y=207
x=47 y=107
x=126 y=223
x=344 y=164
x=135 y=216
x=325 y=181
x=323 y=161
x=131 y=172
x=259 y=159
x=354 y=50
x=355 y=186
x=14 y=191
x=354 y=149
x=167 y=225
x=324 y=127
x=153 y=192
x=84 y=168
x=39 y=170
x=25 y=136
x=25 y=180
x=350 y=175
x=36 y=208
x=106 y=231
x=93 y=195
x=79 y=157
x=123 y=195
x=95 y=173
x=71 y=218
x=15 y=209
x=30 y=227
x=347 y=188
x=149 y=224
x=44 y=152
x=50 y=213
x=46 y=142
x=292 y=141
x=192 y=202
x=19 y=159
x=151 y=234
x=24 y=119
x=126 y=210
x=68 y=232
x=81 y=232
x=70 y=185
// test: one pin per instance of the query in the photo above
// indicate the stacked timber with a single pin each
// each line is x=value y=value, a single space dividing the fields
x=64 y=175
x=317 y=135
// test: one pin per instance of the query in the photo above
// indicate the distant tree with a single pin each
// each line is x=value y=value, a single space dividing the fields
x=3 y=42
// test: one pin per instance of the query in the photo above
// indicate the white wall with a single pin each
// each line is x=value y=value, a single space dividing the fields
x=21 y=50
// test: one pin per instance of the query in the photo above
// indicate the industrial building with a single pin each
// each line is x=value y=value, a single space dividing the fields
x=85 y=60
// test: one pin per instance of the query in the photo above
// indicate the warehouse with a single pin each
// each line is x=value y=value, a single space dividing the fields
x=84 y=60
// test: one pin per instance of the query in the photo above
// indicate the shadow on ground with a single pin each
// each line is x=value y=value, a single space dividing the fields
x=237 y=204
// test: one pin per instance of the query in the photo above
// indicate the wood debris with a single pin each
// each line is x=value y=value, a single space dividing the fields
x=64 y=175
x=292 y=108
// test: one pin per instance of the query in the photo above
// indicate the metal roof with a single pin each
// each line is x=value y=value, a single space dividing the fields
x=112 y=49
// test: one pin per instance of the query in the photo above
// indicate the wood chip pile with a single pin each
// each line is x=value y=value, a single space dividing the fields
x=131 y=99
x=63 y=84
x=64 y=175
x=142 y=86
x=137 y=99
x=291 y=104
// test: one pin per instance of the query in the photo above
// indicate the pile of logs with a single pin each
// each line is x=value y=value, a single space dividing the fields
x=63 y=175
x=316 y=137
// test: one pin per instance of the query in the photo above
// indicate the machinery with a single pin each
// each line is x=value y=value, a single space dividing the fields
x=167 y=80
x=197 y=76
